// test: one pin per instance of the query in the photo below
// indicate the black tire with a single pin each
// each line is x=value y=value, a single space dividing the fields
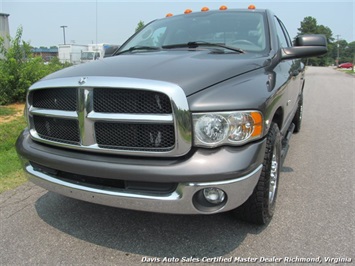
x=260 y=206
x=297 y=119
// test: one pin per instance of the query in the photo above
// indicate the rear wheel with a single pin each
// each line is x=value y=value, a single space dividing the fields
x=260 y=206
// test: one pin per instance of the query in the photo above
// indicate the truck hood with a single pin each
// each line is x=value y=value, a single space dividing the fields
x=192 y=70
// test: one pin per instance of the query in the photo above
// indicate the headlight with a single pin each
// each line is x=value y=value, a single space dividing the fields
x=235 y=128
x=211 y=128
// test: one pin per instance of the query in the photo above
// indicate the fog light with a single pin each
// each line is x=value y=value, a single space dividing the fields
x=214 y=195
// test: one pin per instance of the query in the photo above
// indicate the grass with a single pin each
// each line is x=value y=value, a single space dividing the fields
x=350 y=72
x=5 y=111
x=11 y=174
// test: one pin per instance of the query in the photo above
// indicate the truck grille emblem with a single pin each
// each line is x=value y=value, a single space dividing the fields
x=82 y=81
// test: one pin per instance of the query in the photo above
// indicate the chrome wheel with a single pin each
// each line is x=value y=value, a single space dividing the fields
x=273 y=177
x=260 y=206
x=300 y=114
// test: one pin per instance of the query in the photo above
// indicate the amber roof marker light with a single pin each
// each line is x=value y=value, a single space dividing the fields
x=223 y=8
x=205 y=9
x=188 y=11
x=169 y=15
x=251 y=7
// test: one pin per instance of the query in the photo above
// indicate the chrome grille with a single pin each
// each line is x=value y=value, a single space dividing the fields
x=135 y=136
x=107 y=100
x=111 y=115
x=56 y=99
x=57 y=129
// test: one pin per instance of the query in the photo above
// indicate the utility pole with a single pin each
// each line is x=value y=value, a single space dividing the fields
x=96 y=23
x=64 y=32
x=4 y=30
x=337 y=60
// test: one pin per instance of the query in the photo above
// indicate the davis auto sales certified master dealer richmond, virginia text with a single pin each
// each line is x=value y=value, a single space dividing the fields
x=231 y=259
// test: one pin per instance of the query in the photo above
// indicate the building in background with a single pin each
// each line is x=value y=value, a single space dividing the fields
x=46 y=53
x=4 y=29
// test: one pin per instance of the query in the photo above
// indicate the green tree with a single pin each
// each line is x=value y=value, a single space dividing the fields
x=19 y=69
x=140 y=25
x=11 y=77
x=350 y=52
x=333 y=52
x=346 y=51
x=309 y=25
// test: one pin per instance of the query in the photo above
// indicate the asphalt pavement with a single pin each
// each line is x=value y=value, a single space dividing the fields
x=314 y=219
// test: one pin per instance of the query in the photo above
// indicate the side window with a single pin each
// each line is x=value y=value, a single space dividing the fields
x=282 y=38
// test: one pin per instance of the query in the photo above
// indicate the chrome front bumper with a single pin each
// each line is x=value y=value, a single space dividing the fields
x=179 y=201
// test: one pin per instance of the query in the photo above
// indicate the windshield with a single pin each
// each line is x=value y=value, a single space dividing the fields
x=237 y=29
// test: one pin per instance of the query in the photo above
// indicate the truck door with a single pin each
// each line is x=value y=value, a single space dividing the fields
x=291 y=70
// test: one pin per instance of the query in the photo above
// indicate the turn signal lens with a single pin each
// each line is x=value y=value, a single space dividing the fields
x=258 y=124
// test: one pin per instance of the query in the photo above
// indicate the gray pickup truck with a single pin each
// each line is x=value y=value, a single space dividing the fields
x=191 y=115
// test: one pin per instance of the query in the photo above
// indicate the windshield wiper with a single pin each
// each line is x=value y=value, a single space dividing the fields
x=138 y=48
x=202 y=43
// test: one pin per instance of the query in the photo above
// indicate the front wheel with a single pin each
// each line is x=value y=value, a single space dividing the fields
x=260 y=206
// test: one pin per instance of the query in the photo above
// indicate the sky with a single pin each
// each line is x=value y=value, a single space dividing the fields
x=104 y=21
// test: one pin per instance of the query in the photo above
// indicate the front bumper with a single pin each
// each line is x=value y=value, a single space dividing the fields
x=234 y=170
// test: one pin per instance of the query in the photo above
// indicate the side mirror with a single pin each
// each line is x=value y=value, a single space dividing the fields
x=109 y=51
x=306 y=46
